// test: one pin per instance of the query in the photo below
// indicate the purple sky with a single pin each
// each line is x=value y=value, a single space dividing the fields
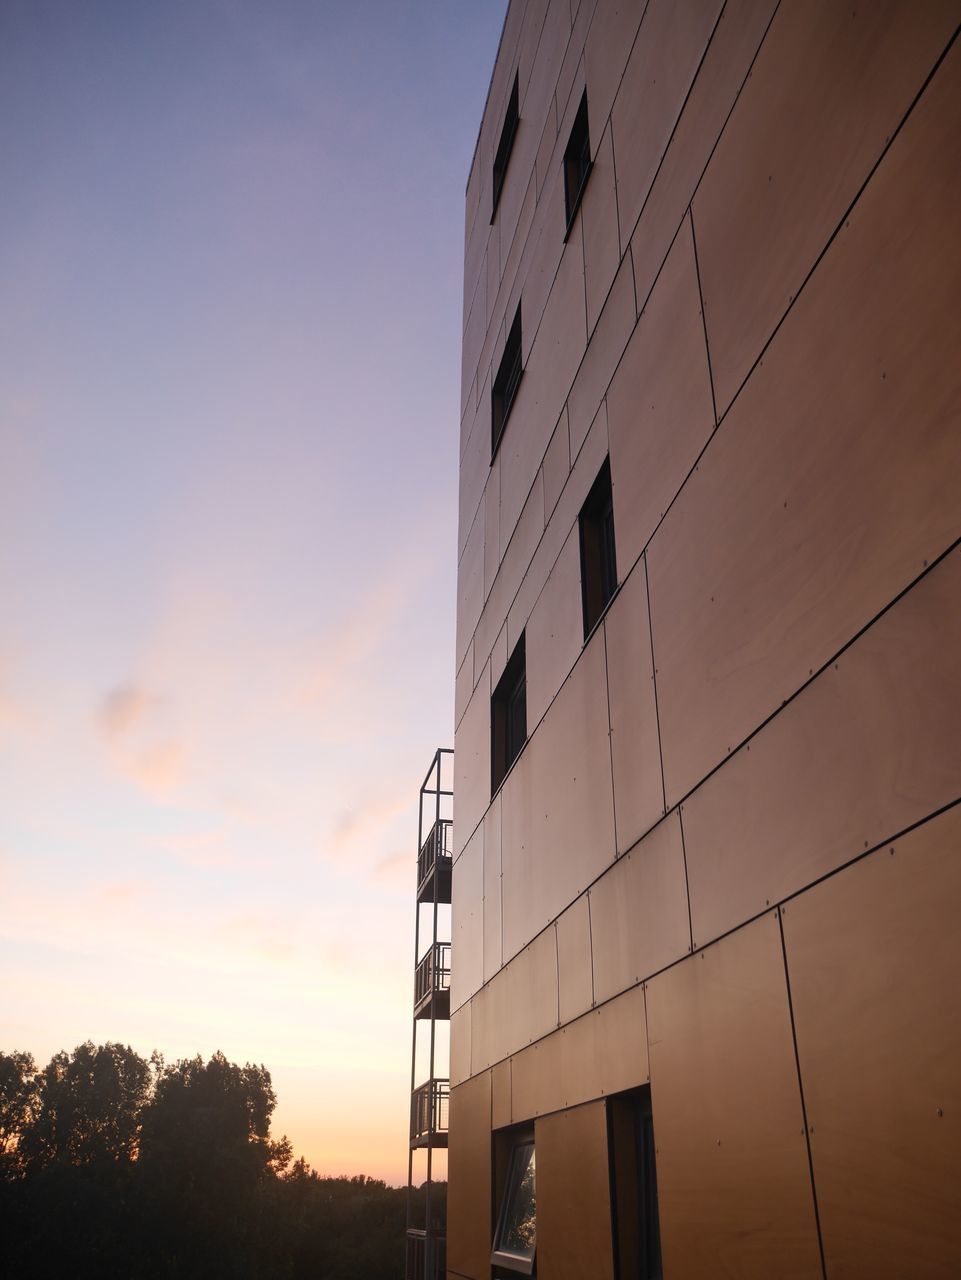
x=231 y=239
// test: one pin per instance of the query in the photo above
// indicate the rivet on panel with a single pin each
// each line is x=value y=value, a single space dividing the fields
x=891 y=851
x=940 y=1113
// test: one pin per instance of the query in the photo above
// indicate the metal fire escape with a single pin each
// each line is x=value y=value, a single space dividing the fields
x=426 y=1209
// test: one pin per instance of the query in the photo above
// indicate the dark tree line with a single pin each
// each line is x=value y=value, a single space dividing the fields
x=115 y=1166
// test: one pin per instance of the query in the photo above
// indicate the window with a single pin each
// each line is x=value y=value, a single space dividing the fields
x=577 y=162
x=598 y=564
x=506 y=383
x=509 y=715
x=637 y=1235
x=515 y=1239
x=505 y=146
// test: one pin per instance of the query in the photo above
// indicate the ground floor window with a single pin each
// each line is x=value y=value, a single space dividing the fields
x=515 y=1238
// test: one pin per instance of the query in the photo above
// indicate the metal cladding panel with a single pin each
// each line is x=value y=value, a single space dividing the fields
x=603 y=1052
x=606 y=51
x=464 y=684
x=635 y=749
x=873 y=956
x=602 y=250
x=467 y=921
x=574 y=1237
x=557 y=465
x=550 y=32
x=583 y=474
x=604 y=351
x=493 y=943
x=549 y=369
x=867 y=749
x=492 y=519
x=460 y=1045
x=555 y=631
x=659 y=408
x=736 y=38
x=470 y=584
x=472 y=763
x=474 y=470
x=501 y=1094
x=558 y=819
x=829 y=87
x=469 y=1229
x=659 y=73
x=814 y=505
x=516 y=557
x=575 y=986
x=518 y=1005
x=639 y=919
x=733 y=1180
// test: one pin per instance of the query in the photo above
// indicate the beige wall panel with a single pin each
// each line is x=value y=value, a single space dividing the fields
x=501 y=1094
x=464 y=684
x=470 y=586
x=873 y=956
x=600 y=360
x=601 y=1053
x=659 y=73
x=493 y=266
x=659 y=408
x=516 y=559
x=549 y=371
x=829 y=87
x=574 y=1195
x=555 y=631
x=602 y=249
x=736 y=38
x=476 y=328
x=540 y=257
x=467 y=921
x=545 y=148
x=733 y=1181
x=583 y=473
x=575 y=986
x=474 y=470
x=537 y=95
x=558 y=821
x=518 y=1005
x=492 y=520
x=813 y=506
x=460 y=1021
x=469 y=1230
x=606 y=51
x=472 y=763
x=493 y=944
x=639 y=920
x=516 y=183
x=635 y=751
x=499 y=656
x=574 y=57
x=557 y=465
x=513 y=255
x=871 y=746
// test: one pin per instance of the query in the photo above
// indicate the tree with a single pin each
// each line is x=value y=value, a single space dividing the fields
x=88 y=1107
x=18 y=1099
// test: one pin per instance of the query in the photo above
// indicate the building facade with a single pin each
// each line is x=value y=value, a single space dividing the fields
x=705 y=998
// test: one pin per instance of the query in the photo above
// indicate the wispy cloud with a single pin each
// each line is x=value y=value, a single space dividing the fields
x=123 y=708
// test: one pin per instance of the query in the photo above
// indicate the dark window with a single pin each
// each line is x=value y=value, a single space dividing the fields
x=577 y=161
x=637 y=1233
x=505 y=384
x=598 y=563
x=505 y=146
x=515 y=1238
x=509 y=715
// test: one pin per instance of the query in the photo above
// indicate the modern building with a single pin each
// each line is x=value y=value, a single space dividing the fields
x=706 y=984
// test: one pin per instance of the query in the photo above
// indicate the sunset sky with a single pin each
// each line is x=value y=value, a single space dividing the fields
x=231 y=238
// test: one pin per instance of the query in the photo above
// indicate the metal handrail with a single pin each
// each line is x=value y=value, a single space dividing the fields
x=429 y=1108
x=437 y=846
x=433 y=972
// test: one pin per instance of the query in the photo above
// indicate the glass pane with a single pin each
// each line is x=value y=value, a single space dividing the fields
x=519 y=1225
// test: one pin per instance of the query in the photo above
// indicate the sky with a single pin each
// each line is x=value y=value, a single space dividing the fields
x=231 y=249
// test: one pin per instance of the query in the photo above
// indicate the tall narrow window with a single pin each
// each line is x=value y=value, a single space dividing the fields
x=577 y=161
x=598 y=563
x=505 y=146
x=637 y=1234
x=509 y=715
x=515 y=1239
x=505 y=385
